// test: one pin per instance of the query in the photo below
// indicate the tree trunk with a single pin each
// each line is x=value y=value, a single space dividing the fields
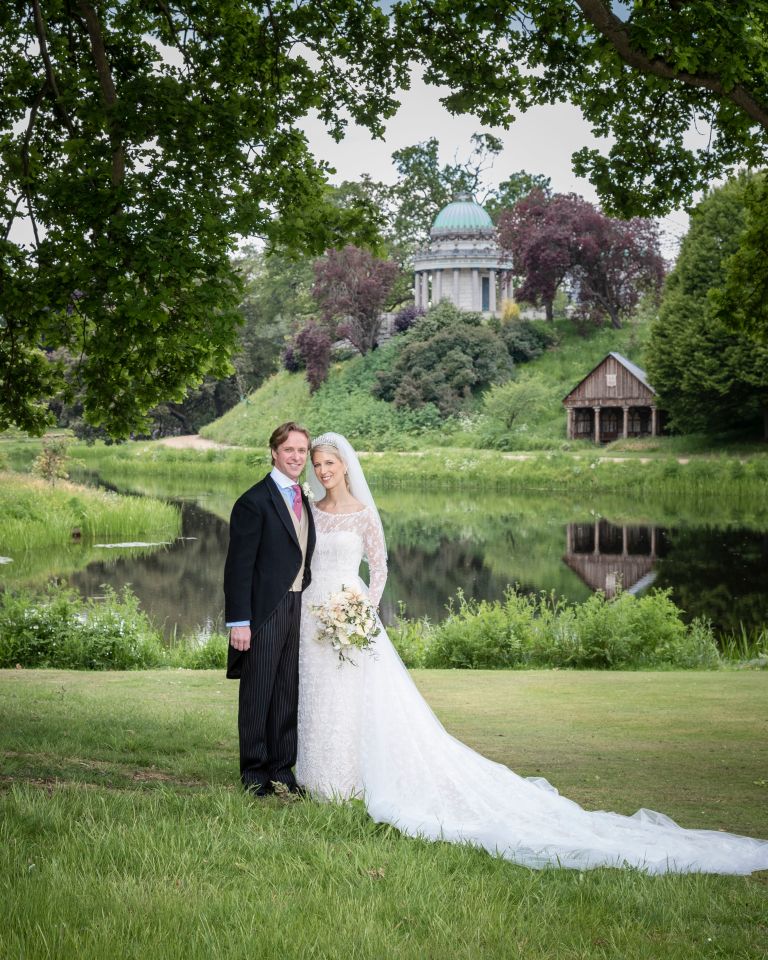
x=549 y=307
x=765 y=421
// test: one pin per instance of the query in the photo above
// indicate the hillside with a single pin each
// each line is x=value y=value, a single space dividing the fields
x=345 y=402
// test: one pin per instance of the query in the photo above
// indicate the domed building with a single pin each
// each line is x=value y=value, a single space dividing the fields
x=463 y=262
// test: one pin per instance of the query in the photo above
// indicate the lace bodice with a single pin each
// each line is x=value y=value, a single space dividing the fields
x=343 y=540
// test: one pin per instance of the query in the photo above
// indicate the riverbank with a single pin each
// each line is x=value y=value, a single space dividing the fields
x=34 y=513
x=740 y=479
x=125 y=835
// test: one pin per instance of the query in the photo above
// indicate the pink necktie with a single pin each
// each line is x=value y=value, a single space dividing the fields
x=297 y=501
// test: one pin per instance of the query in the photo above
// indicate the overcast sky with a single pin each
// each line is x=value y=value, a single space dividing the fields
x=540 y=141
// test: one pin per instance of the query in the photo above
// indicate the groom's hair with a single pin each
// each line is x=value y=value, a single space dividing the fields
x=280 y=434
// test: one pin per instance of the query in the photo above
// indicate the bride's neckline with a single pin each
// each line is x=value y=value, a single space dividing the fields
x=339 y=513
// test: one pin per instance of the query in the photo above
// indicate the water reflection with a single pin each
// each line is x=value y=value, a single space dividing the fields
x=609 y=556
x=440 y=543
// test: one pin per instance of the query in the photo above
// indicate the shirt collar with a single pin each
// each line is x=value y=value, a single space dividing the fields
x=281 y=479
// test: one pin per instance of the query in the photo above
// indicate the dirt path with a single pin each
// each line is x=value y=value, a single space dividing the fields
x=193 y=442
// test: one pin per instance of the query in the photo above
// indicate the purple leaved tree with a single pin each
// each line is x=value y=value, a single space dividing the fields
x=608 y=263
x=351 y=288
x=616 y=262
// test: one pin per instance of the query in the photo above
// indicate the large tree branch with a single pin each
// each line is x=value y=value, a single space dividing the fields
x=107 y=85
x=25 y=159
x=42 y=39
x=614 y=31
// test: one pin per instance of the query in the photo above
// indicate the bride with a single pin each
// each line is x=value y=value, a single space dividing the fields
x=365 y=731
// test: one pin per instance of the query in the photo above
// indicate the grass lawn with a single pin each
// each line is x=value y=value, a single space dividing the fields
x=123 y=833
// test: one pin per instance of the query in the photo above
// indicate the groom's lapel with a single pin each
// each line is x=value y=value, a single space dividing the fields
x=282 y=508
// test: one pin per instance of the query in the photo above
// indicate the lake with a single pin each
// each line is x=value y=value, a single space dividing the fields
x=442 y=543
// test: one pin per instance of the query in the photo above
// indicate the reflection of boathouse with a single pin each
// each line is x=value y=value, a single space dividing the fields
x=607 y=556
x=614 y=400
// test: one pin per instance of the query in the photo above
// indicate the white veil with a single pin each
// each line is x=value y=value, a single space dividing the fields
x=358 y=485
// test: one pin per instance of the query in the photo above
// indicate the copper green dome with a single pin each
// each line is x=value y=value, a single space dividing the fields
x=462 y=216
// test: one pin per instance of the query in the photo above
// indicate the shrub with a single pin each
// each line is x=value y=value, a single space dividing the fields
x=58 y=629
x=314 y=344
x=293 y=361
x=51 y=462
x=539 y=631
x=525 y=341
x=406 y=318
x=444 y=368
x=509 y=404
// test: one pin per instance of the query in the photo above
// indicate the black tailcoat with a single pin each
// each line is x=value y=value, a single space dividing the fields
x=263 y=559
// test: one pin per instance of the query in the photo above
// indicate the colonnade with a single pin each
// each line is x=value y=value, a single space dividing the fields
x=625 y=408
x=431 y=287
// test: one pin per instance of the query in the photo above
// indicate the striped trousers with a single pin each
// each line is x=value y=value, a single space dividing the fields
x=269 y=699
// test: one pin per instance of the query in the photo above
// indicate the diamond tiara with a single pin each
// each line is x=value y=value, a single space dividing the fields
x=325 y=440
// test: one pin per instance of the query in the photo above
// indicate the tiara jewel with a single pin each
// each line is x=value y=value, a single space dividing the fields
x=327 y=440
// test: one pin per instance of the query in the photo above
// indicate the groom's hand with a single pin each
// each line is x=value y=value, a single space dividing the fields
x=240 y=637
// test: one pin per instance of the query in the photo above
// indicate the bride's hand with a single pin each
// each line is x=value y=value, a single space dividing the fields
x=240 y=638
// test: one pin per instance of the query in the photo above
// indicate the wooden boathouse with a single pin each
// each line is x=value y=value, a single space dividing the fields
x=614 y=400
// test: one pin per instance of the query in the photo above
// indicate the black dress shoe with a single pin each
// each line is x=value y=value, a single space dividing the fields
x=256 y=788
x=287 y=791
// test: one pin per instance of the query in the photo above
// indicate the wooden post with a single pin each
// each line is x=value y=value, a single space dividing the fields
x=626 y=421
x=596 y=436
x=654 y=422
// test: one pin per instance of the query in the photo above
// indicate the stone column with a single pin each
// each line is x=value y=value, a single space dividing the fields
x=476 y=304
x=596 y=437
x=626 y=422
x=417 y=290
x=424 y=290
x=438 y=291
x=492 y=292
x=456 y=286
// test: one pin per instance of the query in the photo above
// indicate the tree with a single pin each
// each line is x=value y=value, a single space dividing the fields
x=352 y=287
x=616 y=261
x=708 y=379
x=741 y=303
x=277 y=300
x=608 y=263
x=425 y=186
x=539 y=234
x=447 y=357
x=643 y=73
x=515 y=188
x=314 y=346
x=137 y=140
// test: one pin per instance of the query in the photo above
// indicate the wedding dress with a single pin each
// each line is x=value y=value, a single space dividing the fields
x=365 y=731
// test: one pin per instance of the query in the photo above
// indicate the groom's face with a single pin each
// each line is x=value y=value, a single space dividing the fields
x=291 y=455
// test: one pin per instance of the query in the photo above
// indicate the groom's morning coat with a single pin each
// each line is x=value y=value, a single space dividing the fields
x=263 y=560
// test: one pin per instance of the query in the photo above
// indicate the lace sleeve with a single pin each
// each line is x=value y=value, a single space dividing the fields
x=376 y=552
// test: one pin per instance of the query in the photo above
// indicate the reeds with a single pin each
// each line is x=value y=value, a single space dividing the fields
x=34 y=513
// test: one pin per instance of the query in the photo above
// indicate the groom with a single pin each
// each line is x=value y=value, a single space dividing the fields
x=271 y=539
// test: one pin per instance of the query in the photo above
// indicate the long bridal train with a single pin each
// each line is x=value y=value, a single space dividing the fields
x=417 y=777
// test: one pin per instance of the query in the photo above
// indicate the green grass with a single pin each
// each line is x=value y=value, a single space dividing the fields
x=123 y=834
x=740 y=484
x=34 y=513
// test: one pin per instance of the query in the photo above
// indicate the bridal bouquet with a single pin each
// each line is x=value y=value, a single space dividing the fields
x=346 y=621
